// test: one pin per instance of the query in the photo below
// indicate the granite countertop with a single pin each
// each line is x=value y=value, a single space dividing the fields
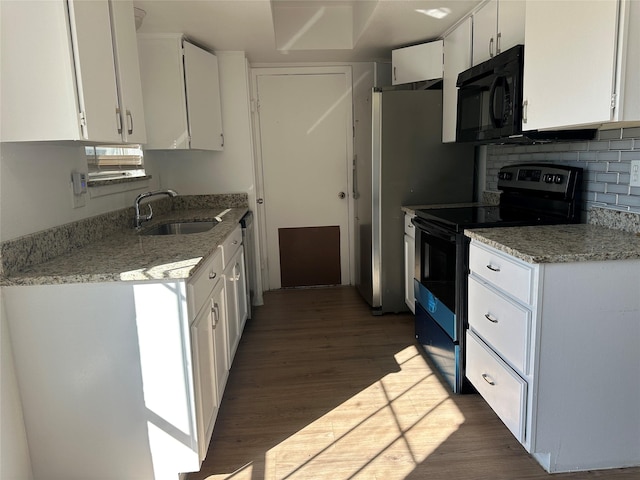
x=128 y=256
x=411 y=209
x=561 y=243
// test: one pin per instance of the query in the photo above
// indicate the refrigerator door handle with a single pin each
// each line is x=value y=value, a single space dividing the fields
x=355 y=178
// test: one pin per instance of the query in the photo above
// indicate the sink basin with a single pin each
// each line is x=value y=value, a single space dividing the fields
x=180 y=228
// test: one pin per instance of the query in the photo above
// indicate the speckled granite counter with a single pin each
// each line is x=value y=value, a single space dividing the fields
x=127 y=256
x=561 y=243
x=411 y=209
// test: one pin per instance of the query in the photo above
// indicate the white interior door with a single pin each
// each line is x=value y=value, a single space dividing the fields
x=305 y=150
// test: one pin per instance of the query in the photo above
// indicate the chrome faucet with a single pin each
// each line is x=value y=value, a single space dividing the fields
x=143 y=218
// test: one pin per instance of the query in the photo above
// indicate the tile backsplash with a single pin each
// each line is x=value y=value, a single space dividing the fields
x=606 y=161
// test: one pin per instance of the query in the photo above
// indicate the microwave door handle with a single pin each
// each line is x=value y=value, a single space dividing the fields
x=497 y=123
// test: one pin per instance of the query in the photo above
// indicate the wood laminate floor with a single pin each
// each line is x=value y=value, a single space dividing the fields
x=321 y=389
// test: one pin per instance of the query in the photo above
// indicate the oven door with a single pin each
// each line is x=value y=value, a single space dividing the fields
x=435 y=274
x=436 y=327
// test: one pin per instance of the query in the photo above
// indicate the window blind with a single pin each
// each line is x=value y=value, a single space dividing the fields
x=115 y=161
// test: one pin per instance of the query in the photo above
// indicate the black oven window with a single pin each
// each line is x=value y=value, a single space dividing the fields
x=438 y=268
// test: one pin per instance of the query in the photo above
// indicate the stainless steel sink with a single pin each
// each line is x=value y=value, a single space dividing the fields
x=180 y=228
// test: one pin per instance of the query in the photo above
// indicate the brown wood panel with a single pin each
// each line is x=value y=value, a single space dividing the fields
x=309 y=256
x=321 y=389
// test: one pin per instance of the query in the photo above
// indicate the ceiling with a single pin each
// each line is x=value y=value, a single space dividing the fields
x=305 y=30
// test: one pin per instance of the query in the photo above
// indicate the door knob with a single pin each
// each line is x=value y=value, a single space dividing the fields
x=342 y=195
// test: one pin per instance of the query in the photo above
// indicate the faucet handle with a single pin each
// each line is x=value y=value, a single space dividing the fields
x=148 y=217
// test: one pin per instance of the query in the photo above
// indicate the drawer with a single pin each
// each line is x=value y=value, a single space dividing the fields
x=203 y=281
x=231 y=245
x=502 y=323
x=501 y=387
x=504 y=272
x=409 y=228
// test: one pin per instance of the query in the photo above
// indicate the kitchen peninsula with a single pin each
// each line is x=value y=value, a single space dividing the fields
x=554 y=327
x=123 y=345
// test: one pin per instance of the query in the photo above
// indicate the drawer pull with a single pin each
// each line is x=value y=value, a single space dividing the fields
x=487 y=379
x=490 y=318
x=235 y=242
x=492 y=268
x=212 y=275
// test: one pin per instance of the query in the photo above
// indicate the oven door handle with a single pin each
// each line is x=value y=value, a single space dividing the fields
x=433 y=230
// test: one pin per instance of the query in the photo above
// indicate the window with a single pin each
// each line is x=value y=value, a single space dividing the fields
x=108 y=162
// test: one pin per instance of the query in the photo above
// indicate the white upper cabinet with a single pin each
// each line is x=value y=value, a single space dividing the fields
x=128 y=72
x=457 y=58
x=497 y=26
x=60 y=73
x=417 y=63
x=181 y=94
x=587 y=82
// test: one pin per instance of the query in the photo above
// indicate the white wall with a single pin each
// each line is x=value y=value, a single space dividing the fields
x=35 y=188
x=15 y=463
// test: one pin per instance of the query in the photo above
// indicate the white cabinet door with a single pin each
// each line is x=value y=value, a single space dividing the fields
x=37 y=73
x=569 y=82
x=236 y=300
x=457 y=58
x=203 y=98
x=220 y=339
x=417 y=63
x=241 y=289
x=204 y=366
x=497 y=26
x=125 y=49
x=95 y=70
x=485 y=28
x=511 y=19
x=409 y=259
x=181 y=94
x=60 y=74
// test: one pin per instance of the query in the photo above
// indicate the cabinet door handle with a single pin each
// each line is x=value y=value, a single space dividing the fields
x=222 y=139
x=492 y=268
x=129 y=122
x=119 y=120
x=395 y=77
x=215 y=309
x=212 y=275
x=490 y=318
x=235 y=242
x=498 y=37
x=487 y=379
x=491 y=47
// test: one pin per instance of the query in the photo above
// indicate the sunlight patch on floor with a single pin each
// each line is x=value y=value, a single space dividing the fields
x=383 y=432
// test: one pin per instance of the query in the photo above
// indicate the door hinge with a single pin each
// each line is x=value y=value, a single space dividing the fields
x=614 y=97
x=83 y=119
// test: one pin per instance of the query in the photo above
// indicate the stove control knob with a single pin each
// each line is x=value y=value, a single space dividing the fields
x=547 y=178
x=557 y=179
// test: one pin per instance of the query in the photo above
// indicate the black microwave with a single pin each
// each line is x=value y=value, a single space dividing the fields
x=490 y=98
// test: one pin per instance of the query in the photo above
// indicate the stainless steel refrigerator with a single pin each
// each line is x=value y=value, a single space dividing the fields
x=409 y=165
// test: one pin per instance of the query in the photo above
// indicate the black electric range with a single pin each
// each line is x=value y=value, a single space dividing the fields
x=532 y=194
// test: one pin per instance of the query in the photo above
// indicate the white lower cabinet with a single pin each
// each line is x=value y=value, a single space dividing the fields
x=502 y=388
x=208 y=325
x=409 y=261
x=125 y=378
x=236 y=289
x=553 y=349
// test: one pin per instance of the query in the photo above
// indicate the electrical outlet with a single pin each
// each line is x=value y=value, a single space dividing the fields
x=635 y=173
